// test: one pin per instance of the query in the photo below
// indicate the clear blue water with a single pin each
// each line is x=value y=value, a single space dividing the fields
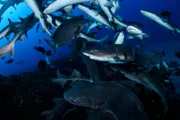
x=130 y=11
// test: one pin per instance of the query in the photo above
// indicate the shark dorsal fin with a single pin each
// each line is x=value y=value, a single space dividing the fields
x=10 y=23
x=22 y=19
x=76 y=73
x=165 y=15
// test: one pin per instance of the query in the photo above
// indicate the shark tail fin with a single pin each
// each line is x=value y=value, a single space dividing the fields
x=177 y=30
x=52 y=44
x=146 y=35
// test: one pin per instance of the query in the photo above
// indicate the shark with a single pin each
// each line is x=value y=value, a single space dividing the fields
x=5 y=32
x=113 y=54
x=162 y=19
x=33 y=5
x=59 y=4
x=18 y=34
x=109 y=97
x=105 y=5
x=8 y=4
x=27 y=24
x=149 y=81
x=135 y=32
x=75 y=76
x=95 y=14
x=9 y=47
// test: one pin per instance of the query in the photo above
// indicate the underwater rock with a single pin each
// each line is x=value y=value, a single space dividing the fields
x=41 y=65
x=2 y=80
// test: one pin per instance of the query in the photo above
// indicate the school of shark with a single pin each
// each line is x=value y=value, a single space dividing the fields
x=105 y=79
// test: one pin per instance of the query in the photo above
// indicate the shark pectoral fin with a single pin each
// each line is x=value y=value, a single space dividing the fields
x=115 y=36
x=76 y=73
x=22 y=38
x=68 y=9
x=98 y=12
x=108 y=4
x=22 y=19
x=46 y=114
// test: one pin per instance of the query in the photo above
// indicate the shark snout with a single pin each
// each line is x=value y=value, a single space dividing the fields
x=143 y=12
x=45 y=11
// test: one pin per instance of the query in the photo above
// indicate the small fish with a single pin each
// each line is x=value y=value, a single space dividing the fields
x=49 y=53
x=3 y=57
x=177 y=54
x=40 y=49
x=66 y=31
x=9 y=61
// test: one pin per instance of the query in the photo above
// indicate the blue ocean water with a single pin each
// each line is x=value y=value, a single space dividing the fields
x=161 y=38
